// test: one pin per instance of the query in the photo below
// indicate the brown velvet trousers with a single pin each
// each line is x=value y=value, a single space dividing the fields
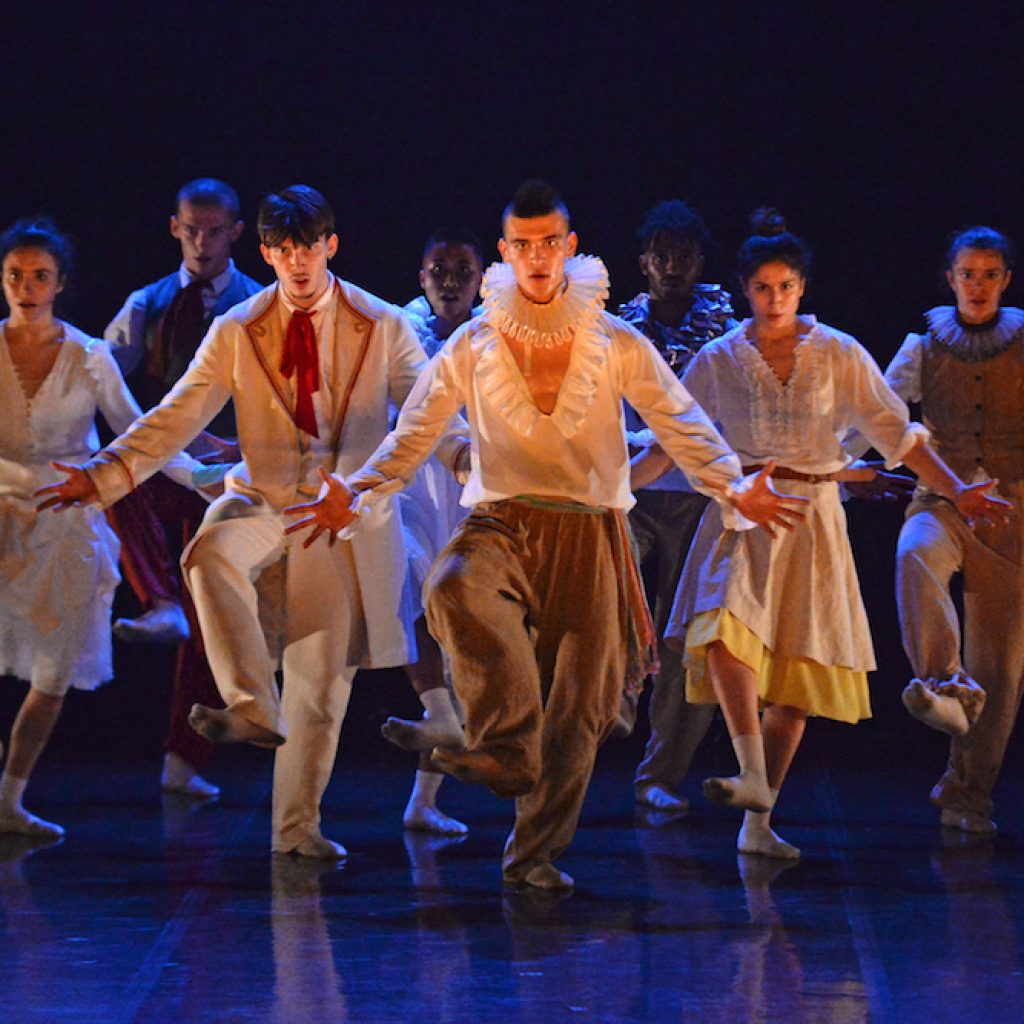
x=530 y=606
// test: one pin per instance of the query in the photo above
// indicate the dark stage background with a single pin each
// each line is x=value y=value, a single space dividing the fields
x=877 y=128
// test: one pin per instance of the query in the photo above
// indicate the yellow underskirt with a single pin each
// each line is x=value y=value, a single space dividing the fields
x=830 y=691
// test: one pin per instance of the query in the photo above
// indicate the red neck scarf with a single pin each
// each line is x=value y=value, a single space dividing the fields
x=300 y=356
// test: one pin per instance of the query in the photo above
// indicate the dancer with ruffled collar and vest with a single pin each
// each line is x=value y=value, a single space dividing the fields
x=966 y=369
x=680 y=315
x=312 y=364
x=537 y=599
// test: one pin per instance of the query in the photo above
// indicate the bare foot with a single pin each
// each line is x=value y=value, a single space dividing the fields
x=429 y=819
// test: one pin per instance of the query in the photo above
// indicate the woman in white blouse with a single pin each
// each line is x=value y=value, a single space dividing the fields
x=776 y=622
x=57 y=573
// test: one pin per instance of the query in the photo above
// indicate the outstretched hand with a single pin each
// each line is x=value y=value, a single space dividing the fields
x=330 y=512
x=880 y=485
x=76 y=489
x=763 y=505
x=975 y=503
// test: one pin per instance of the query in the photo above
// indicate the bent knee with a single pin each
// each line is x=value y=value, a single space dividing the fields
x=448 y=583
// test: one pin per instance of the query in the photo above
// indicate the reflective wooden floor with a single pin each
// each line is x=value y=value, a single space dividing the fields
x=155 y=909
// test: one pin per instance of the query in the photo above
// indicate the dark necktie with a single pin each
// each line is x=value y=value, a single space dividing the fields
x=300 y=357
x=181 y=330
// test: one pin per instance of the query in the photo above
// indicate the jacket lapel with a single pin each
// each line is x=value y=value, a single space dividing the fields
x=353 y=328
x=267 y=340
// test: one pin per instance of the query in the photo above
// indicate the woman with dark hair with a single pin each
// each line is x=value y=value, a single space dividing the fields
x=777 y=622
x=57 y=574
x=966 y=369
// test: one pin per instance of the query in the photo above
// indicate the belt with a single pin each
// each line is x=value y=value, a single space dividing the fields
x=785 y=473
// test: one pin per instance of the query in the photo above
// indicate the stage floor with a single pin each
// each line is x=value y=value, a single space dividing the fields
x=156 y=909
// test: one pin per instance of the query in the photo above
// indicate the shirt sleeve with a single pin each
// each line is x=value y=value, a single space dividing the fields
x=126 y=333
x=875 y=410
x=435 y=397
x=904 y=372
x=155 y=438
x=681 y=426
x=119 y=408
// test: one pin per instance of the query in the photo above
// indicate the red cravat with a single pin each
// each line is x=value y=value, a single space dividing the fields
x=300 y=356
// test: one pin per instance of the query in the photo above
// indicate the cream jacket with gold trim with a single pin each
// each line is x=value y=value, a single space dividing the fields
x=376 y=360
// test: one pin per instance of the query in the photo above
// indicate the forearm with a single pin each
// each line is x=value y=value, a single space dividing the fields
x=932 y=471
x=648 y=465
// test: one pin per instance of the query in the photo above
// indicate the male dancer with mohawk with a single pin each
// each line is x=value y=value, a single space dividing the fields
x=537 y=599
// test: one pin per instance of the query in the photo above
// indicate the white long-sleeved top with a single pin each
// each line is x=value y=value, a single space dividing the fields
x=835 y=385
x=576 y=453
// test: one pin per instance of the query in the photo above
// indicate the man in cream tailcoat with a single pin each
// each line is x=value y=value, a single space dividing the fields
x=311 y=364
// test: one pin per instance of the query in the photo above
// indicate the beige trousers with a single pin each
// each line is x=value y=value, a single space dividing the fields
x=263 y=601
x=934 y=544
x=528 y=605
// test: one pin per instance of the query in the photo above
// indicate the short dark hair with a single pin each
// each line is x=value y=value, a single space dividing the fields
x=209 y=192
x=980 y=237
x=455 y=236
x=40 y=233
x=673 y=217
x=534 y=198
x=770 y=242
x=297 y=212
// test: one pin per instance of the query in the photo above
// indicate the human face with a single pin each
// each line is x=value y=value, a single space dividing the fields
x=302 y=269
x=774 y=292
x=32 y=281
x=978 y=279
x=206 y=234
x=537 y=248
x=450 y=279
x=671 y=266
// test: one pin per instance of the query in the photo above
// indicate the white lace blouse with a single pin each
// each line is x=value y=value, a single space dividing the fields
x=835 y=385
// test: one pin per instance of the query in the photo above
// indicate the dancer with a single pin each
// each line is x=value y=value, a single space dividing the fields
x=450 y=274
x=154 y=337
x=311 y=364
x=57 y=575
x=967 y=371
x=536 y=599
x=680 y=315
x=779 y=620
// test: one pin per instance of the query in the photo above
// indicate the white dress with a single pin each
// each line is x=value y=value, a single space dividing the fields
x=799 y=592
x=57 y=571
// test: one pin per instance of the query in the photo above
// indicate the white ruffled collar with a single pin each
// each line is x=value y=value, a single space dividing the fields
x=552 y=323
x=974 y=343
x=751 y=356
x=567 y=317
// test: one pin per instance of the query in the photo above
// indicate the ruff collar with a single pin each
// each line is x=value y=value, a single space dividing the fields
x=577 y=306
x=974 y=343
x=567 y=317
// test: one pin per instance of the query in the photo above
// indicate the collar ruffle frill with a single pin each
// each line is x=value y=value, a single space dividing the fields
x=974 y=344
x=567 y=317
x=781 y=414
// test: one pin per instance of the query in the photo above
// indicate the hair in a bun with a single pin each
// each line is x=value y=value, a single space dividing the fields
x=770 y=242
x=767 y=222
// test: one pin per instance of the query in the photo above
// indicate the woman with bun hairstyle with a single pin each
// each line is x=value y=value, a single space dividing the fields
x=774 y=625
x=57 y=573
